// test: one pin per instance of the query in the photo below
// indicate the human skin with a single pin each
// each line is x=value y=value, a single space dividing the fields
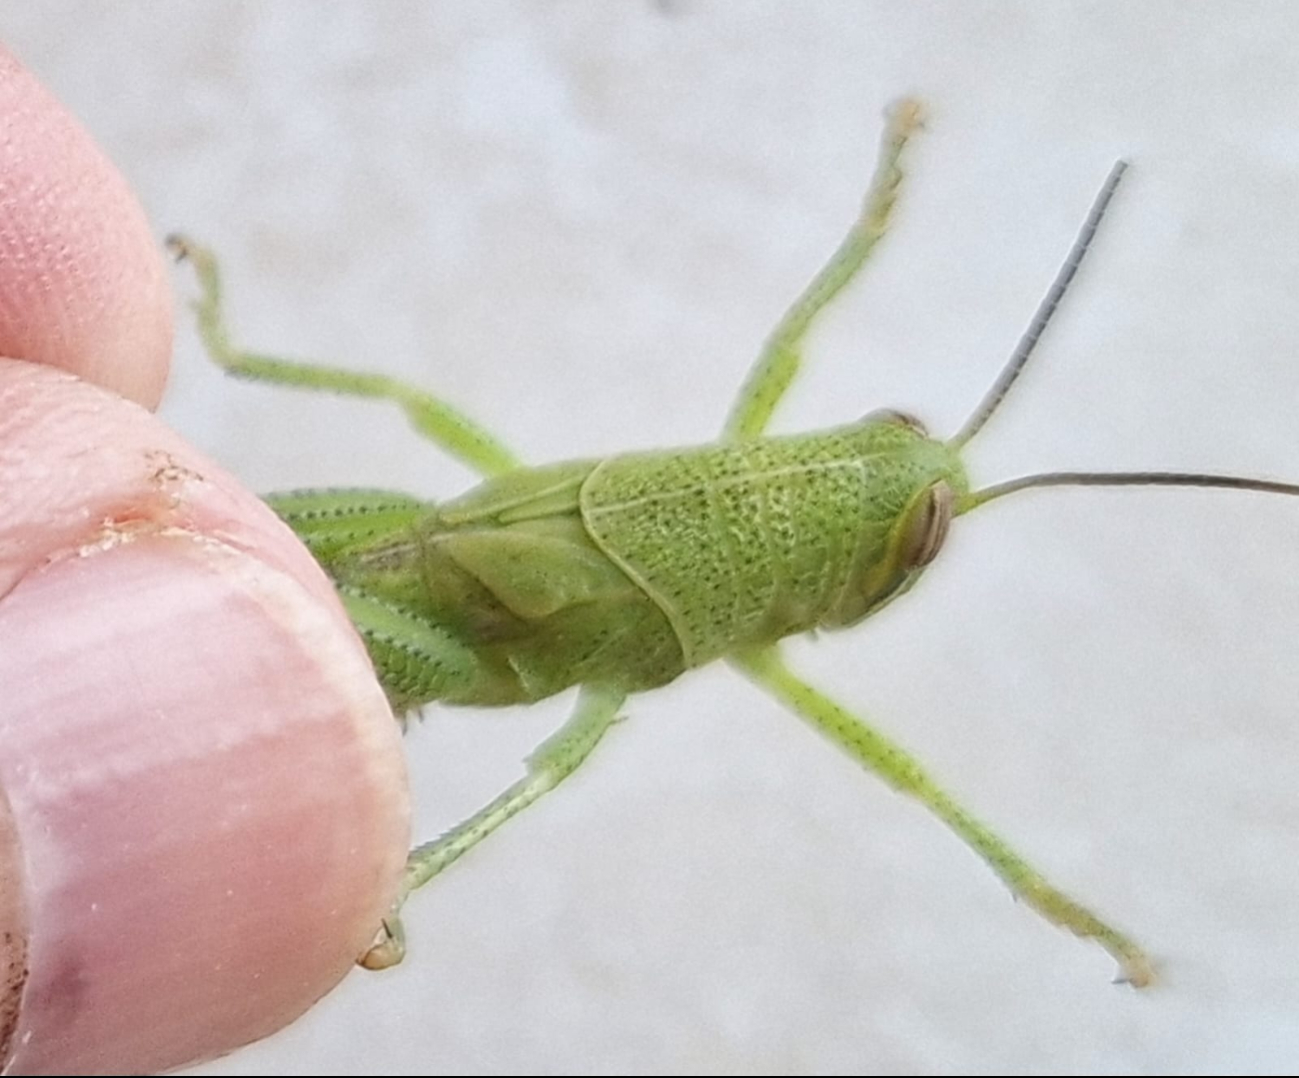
x=203 y=809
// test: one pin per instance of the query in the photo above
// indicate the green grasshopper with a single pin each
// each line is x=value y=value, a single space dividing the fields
x=618 y=575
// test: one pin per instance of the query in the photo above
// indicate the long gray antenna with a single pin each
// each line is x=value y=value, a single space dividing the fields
x=1045 y=310
x=976 y=498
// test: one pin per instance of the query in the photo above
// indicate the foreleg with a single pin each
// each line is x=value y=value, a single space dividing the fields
x=903 y=772
x=783 y=353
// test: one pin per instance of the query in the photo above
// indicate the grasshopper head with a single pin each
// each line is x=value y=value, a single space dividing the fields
x=920 y=481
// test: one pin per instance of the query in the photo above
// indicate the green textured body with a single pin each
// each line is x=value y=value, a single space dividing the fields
x=626 y=571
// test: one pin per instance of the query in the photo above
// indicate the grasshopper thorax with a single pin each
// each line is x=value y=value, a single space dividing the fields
x=742 y=543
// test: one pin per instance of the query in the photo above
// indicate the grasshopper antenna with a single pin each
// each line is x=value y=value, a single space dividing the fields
x=1042 y=316
x=1019 y=358
x=977 y=498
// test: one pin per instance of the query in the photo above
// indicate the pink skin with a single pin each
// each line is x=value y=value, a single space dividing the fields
x=203 y=810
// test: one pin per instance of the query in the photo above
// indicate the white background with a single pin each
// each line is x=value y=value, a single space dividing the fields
x=578 y=220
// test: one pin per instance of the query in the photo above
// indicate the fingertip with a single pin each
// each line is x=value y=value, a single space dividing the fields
x=83 y=285
x=203 y=807
x=207 y=804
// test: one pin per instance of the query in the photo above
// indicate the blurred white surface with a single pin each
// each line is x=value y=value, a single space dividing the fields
x=579 y=220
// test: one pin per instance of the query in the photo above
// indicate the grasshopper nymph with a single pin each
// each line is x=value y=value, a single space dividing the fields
x=618 y=575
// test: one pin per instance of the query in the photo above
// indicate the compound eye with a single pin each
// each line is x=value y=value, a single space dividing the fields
x=927 y=527
x=901 y=419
